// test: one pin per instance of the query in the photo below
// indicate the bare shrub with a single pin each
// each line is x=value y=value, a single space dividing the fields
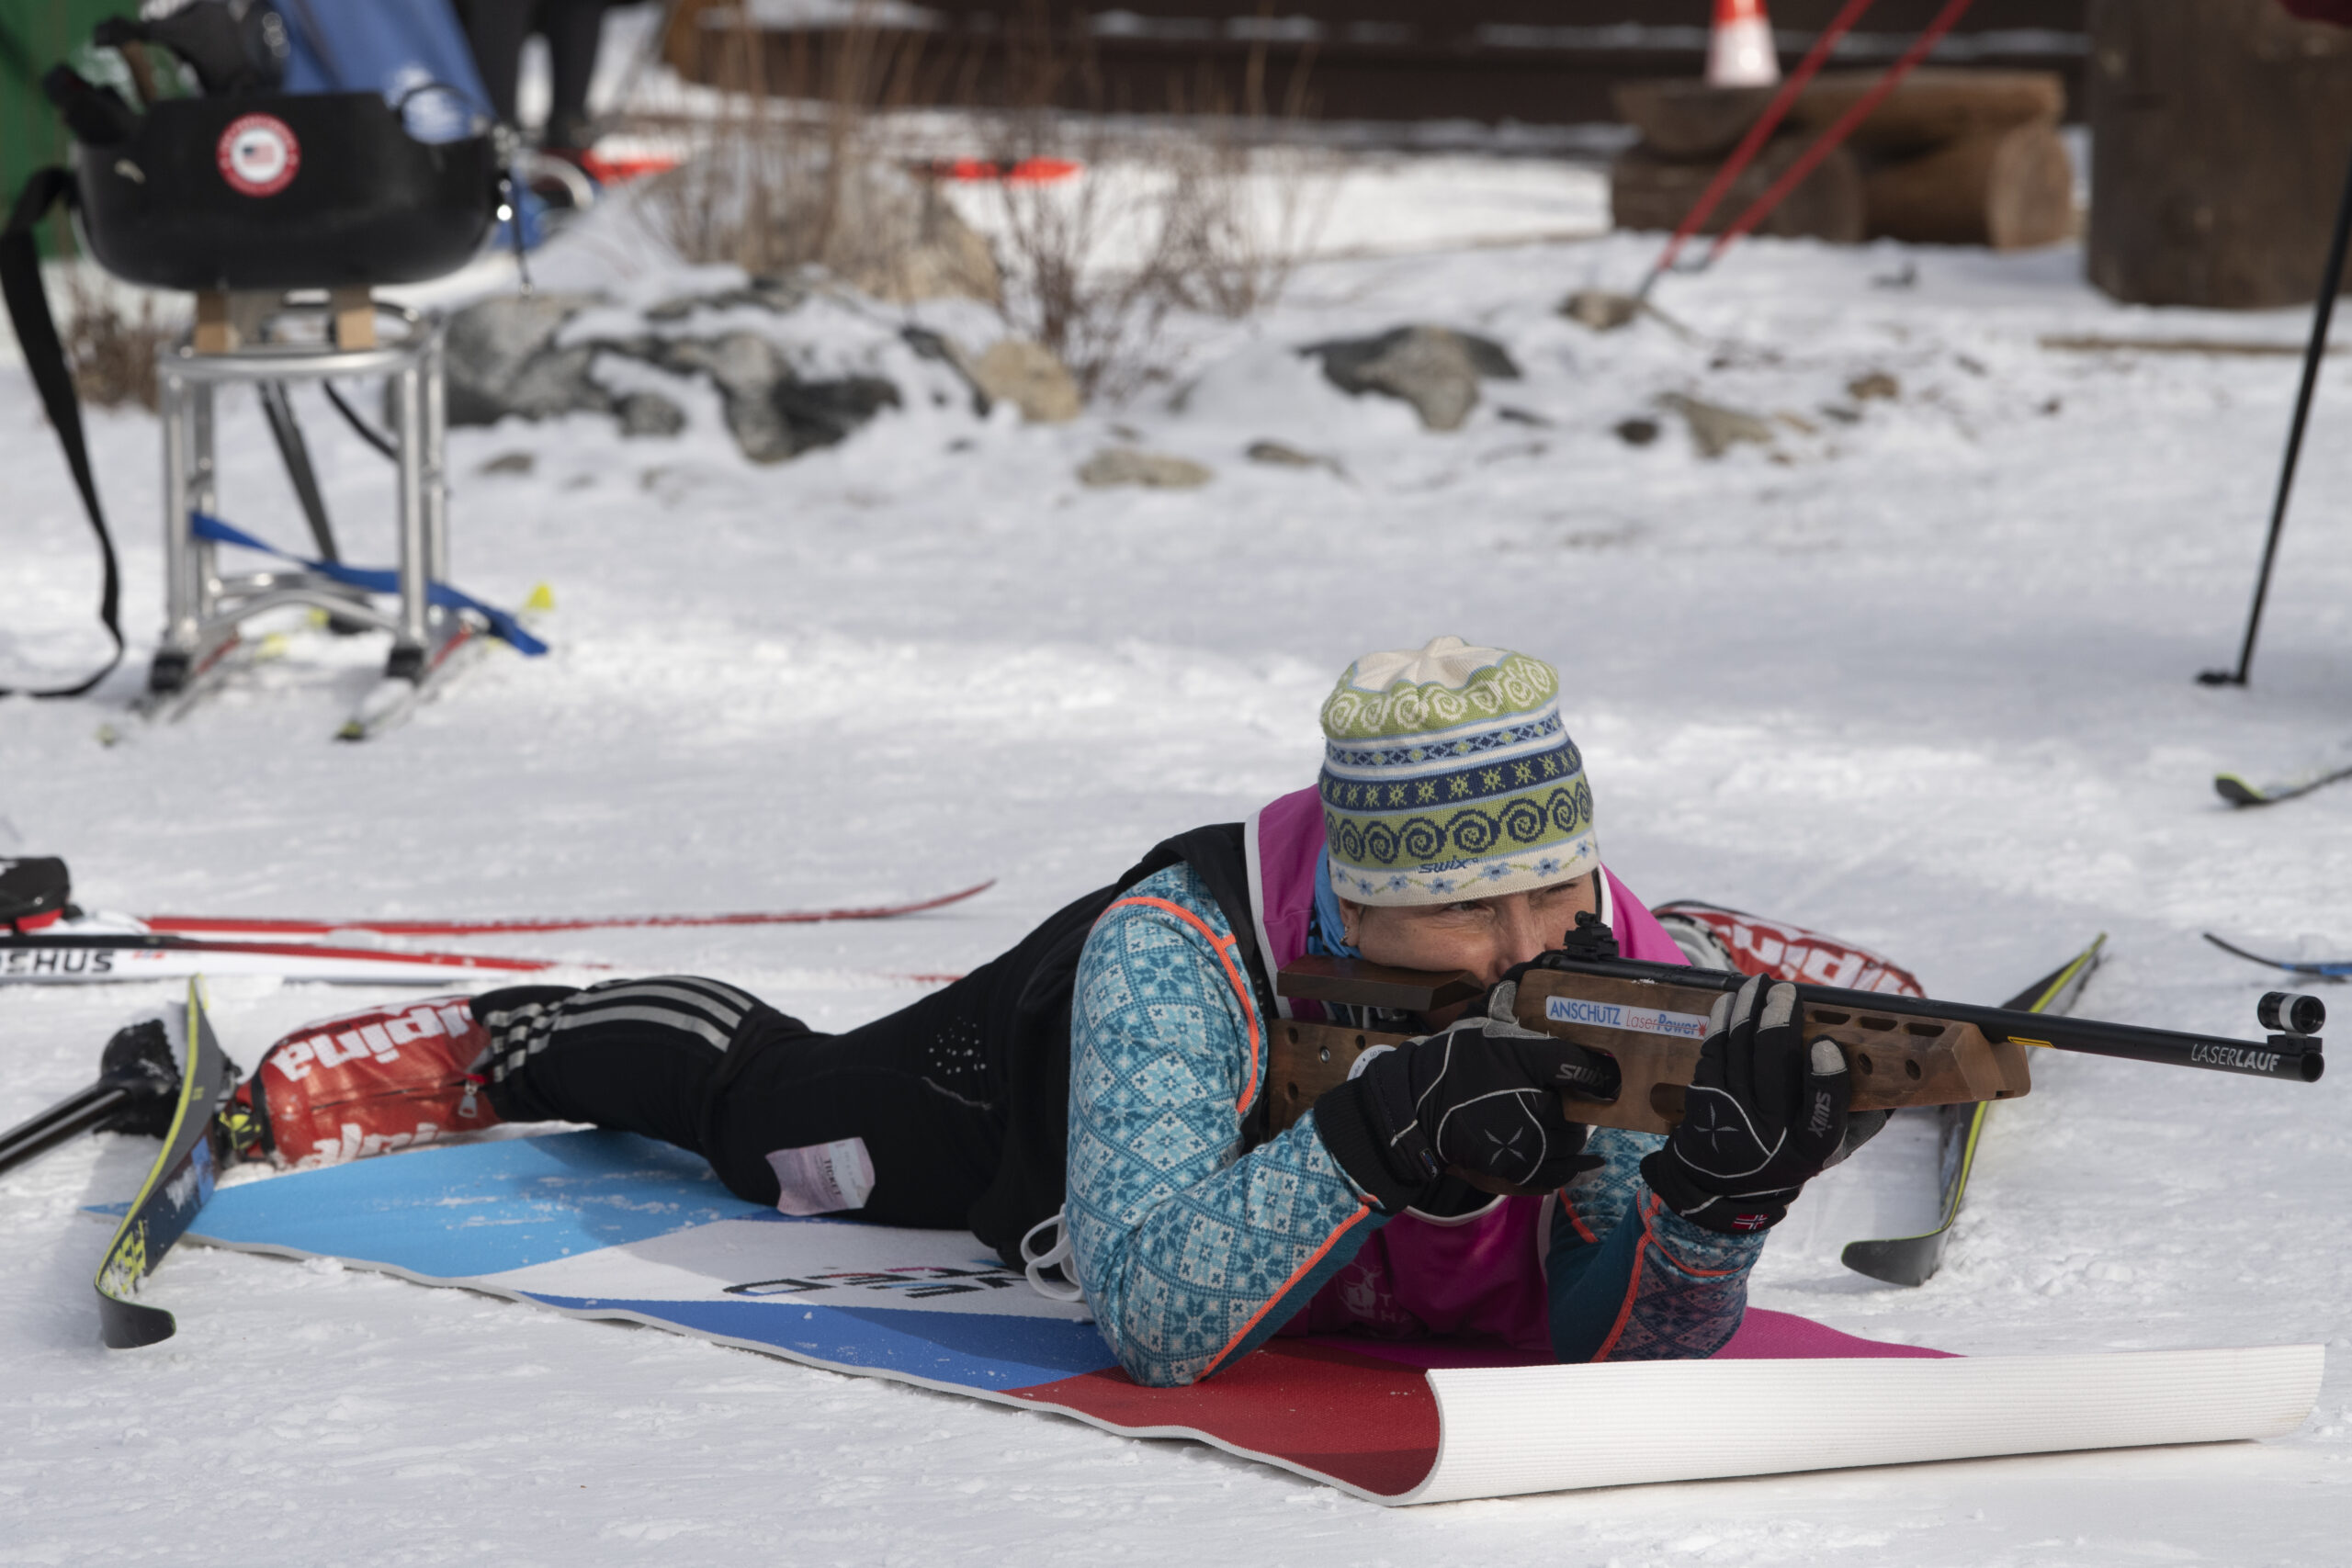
x=1253 y=197
x=112 y=356
x=803 y=172
x=1209 y=208
x=1099 y=318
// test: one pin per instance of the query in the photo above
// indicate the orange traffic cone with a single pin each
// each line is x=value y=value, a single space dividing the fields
x=1740 y=54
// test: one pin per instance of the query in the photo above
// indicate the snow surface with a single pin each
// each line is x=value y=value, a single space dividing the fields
x=1922 y=680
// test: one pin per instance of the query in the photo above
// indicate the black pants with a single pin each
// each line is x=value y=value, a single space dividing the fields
x=712 y=1070
x=496 y=30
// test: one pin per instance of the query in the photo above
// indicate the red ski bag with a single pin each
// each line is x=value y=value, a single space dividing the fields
x=367 y=1083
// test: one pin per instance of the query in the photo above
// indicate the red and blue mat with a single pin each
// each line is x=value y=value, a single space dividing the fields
x=605 y=1224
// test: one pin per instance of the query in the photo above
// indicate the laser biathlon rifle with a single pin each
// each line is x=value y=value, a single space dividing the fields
x=1652 y=1017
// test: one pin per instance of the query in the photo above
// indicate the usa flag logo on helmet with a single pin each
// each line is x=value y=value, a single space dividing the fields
x=258 y=155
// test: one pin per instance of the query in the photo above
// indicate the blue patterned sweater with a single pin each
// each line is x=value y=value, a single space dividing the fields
x=1193 y=1253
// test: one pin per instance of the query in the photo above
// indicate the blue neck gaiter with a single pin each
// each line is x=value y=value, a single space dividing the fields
x=1323 y=935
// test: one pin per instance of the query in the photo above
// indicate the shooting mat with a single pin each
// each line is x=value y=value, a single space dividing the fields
x=610 y=1225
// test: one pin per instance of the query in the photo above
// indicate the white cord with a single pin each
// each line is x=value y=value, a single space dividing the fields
x=1067 y=1288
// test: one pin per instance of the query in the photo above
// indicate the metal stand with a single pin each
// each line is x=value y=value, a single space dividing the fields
x=203 y=609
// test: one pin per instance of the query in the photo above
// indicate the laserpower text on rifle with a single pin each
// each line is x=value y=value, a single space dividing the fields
x=1652 y=1019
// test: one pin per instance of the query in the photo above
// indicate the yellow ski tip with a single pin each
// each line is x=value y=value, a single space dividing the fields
x=541 y=600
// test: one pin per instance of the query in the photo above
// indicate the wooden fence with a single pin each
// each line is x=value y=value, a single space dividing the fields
x=1536 y=62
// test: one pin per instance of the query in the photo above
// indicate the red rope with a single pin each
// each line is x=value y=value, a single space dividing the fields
x=1793 y=175
x=1760 y=133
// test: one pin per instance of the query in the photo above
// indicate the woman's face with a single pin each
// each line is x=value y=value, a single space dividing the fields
x=1485 y=936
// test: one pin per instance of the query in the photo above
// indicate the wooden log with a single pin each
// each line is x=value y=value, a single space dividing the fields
x=2219 y=134
x=1932 y=106
x=1646 y=191
x=1928 y=108
x=2007 y=188
x=1690 y=119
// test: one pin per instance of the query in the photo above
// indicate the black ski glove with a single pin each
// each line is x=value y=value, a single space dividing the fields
x=1480 y=1097
x=1764 y=1114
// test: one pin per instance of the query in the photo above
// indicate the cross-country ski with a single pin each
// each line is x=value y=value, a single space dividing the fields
x=176 y=1186
x=1914 y=1260
x=2324 y=969
x=462 y=641
x=36 y=895
x=228 y=928
x=48 y=941
x=98 y=949
x=1318 y=819
x=2238 y=789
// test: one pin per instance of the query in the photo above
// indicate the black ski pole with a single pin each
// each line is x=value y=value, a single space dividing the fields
x=75 y=1114
x=2331 y=280
x=138 y=1082
x=288 y=432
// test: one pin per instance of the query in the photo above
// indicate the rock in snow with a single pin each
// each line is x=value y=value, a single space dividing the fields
x=1026 y=375
x=1875 y=384
x=1282 y=454
x=771 y=412
x=504 y=358
x=1156 y=470
x=1436 y=369
x=1602 y=310
x=1714 y=429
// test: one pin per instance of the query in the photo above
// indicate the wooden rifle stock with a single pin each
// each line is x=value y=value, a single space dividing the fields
x=1651 y=1019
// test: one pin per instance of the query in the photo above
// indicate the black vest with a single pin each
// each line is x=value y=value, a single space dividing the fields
x=1031 y=1179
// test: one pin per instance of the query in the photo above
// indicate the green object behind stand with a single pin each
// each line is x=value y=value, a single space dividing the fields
x=34 y=36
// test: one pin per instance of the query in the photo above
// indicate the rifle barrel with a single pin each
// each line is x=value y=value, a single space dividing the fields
x=2297 y=1059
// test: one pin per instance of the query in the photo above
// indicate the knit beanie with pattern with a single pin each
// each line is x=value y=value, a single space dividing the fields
x=1447 y=774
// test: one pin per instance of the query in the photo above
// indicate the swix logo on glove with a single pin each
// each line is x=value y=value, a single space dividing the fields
x=1600 y=1079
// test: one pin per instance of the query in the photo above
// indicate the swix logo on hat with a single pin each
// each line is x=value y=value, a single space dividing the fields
x=258 y=155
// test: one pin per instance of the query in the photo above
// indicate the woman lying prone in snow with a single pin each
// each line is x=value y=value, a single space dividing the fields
x=1109 y=1073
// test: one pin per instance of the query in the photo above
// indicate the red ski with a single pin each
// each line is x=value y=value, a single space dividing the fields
x=231 y=929
x=99 y=948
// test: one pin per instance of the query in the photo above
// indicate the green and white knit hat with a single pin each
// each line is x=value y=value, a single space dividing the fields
x=1447 y=774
